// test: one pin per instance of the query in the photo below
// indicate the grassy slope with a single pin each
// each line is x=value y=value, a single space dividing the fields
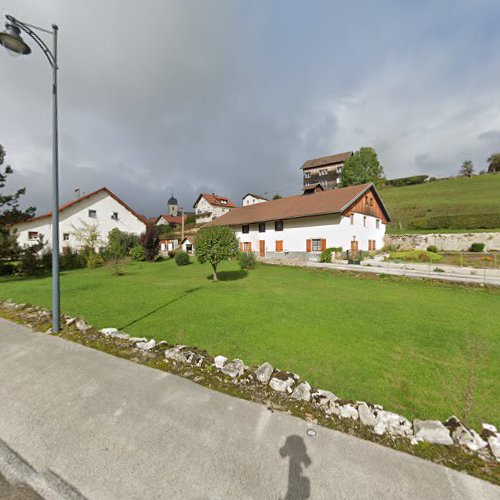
x=421 y=349
x=460 y=196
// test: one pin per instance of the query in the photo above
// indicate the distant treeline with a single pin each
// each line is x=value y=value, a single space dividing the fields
x=407 y=181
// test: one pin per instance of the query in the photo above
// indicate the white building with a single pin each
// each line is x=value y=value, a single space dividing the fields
x=353 y=218
x=252 y=199
x=101 y=208
x=210 y=206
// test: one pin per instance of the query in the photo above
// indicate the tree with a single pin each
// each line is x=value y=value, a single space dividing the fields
x=466 y=169
x=120 y=243
x=215 y=244
x=10 y=213
x=494 y=163
x=90 y=238
x=276 y=197
x=150 y=241
x=363 y=166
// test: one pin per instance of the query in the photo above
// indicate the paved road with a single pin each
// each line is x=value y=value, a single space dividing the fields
x=107 y=428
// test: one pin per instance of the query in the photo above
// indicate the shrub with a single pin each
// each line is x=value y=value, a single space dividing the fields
x=138 y=254
x=117 y=264
x=416 y=256
x=120 y=243
x=247 y=260
x=407 y=181
x=476 y=247
x=92 y=260
x=150 y=241
x=432 y=248
x=71 y=260
x=181 y=258
x=7 y=268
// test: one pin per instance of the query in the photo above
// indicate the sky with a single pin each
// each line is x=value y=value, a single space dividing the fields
x=232 y=96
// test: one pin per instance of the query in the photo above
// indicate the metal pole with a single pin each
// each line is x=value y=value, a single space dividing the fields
x=182 y=224
x=56 y=314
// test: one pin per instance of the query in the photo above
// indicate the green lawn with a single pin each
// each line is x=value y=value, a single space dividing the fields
x=421 y=349
x=449 y=205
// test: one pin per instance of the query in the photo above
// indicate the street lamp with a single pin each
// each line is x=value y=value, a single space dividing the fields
x=11 y=39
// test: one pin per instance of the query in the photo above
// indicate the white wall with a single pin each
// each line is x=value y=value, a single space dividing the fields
x=336 y=229
x=102 y=203
x=251 y=200
x=210 y=212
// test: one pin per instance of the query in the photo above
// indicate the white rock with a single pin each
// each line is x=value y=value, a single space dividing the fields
x=387 y=421
x=220 y=361
x=348 y=411
x=465 y=437
x=302 y=392
x=146 y=346
x=281 y=385
x=176 y=354
x=324 y=398
x=432 y=431
x=234 y=368
x=366 y=415
x=134 y=340
x=70 y=321
x=82 y=326
x=108 y=331
x=264 y=372
x=494 y=442
x=490 y=428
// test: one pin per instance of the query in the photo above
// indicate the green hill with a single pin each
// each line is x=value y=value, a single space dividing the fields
x=449 y=205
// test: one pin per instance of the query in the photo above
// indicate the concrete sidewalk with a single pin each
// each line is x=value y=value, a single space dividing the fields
x=113 y=429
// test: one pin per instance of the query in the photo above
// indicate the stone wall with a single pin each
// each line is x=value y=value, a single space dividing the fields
x=459 y=242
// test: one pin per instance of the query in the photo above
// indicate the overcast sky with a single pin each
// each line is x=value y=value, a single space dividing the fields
x=185 y=96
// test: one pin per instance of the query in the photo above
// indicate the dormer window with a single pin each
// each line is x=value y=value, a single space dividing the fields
x=223 y=202
x=114 y=215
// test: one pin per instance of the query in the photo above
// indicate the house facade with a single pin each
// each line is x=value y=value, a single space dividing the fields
x=353 y=218
x=252 y=199
x=100 y=208
x=325 y=170
x=209 y=207
x=170 y=220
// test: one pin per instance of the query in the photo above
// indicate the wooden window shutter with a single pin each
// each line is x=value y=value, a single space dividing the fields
x=323 y=245
x=250 y=247
x=241 y=246
x=308 y=245
x=279 y=245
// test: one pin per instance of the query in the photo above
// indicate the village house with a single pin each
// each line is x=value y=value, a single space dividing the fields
x=210 y=206
x=252 y=199
x=302 y=226
x=101 y=208
x=325 y=170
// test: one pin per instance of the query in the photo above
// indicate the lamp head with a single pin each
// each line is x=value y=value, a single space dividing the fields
x=12 y=41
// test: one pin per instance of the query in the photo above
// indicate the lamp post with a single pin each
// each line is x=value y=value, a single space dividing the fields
x=12 y=41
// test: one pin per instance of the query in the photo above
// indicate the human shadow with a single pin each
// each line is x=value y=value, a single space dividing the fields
x=229 y=275
x=185 y=294
x=299 y=486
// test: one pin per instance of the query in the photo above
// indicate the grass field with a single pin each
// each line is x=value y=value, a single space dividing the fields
x=450 y=205
x=421 y=349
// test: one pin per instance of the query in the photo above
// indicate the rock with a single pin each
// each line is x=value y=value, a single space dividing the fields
x=194 y=358
x=494 y=442
x=108 y=331
x=220 y=361
x=323 y=398
x=82 y=326
x=234 y=368
x=392 y=423
x=264 y=373
x=490 y=428
x=134 y=340
x=348 y=411
x=176 y=354
x=366 y=415
x=302 y=392
x=279 y=385
x=463 y=436
x=49 y=330
x=146 y=346
x=432 y=431
x=70 y=321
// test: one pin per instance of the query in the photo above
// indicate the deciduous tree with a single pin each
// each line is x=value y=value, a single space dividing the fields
x=467 y=169
x=150 y=241
x=363 y=166
x=494 y=163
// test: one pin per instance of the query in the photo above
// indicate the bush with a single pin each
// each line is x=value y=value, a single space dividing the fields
x=138 y=253
x=247 y=260
x=150 y=241
x=416 y=256
x=407 y=181
x=92 y=260
x=432 y=248
x=117 y=264
x=181 y=258
x=120 y=243
x=72 y=260
x=476 y=247
x=7 y=268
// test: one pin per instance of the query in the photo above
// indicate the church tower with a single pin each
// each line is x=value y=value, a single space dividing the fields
x=172 y=206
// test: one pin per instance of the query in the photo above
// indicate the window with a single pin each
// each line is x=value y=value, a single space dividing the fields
x=377 y=223
x=371 y=202
x=223 y=202
x=114 y=215
x=245 y=229
x=307 y=175
x=262 y=227
x=279 y=245
x=364 y=221
x=32 y=235
x=316 y=245
x=352 y=219
x=92 y=214
x=247 y=247
x=372 y=245
x=339 y=170
x=65 y=236
x=278 y=225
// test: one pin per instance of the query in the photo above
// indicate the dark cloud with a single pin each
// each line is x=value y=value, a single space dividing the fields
x=231 y=96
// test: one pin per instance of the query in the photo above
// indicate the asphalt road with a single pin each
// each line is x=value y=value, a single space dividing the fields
x=75 y=422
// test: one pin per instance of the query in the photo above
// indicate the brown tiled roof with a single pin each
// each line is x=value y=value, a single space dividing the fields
x=215 y=200
x=327 y=160
x=291 y=207
x=89 y=195
x=172 y=219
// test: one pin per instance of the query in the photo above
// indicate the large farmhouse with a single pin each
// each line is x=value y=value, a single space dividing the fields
x=325 y=170
x=100 y=208
x=210 y=206
x=353 y=218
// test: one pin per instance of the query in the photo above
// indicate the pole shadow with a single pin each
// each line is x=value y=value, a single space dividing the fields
x=299 y=486
x=186 y=293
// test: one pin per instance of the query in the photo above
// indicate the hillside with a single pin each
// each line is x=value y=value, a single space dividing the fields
x=447 y=205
